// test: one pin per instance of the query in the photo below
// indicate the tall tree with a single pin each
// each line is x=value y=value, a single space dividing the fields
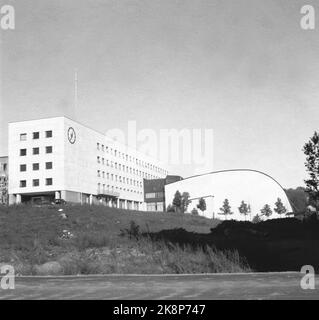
x=177 y=201
x=225 y=209
x=311 y=150
x=266 y=211
x=185 y=201
x=202 y=204
x=279 y=207
x=243 y=209
x=298 y=198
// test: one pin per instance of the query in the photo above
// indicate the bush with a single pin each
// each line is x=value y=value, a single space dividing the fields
x=256 y=219
x=170 y=208
x=194 y=212
x=132 y=232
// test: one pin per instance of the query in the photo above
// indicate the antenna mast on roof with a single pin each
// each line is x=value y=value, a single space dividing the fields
x=75 y=93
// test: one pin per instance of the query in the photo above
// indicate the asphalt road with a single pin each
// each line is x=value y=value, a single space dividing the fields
x=212 y=286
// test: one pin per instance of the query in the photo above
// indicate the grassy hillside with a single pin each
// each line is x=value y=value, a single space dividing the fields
x=92 y=239
x=21 y=225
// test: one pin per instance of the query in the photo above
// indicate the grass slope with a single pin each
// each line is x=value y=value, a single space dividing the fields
x=40 y=241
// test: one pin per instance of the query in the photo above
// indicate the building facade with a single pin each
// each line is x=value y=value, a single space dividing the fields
x=58 y=158
x=253 y=187
x=154 y=192
x=3 y=180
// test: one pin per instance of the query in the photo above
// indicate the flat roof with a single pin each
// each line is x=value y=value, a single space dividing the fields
x=99 y=132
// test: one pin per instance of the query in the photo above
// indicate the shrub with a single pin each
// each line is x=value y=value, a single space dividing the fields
x=132 y=232
x=170 y=208
x=194 y=212
x=256 y=219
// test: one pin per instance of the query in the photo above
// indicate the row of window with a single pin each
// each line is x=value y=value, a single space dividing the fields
x=126 y=157
x=116 y=178
x=152 y=195
x=122 y=167
x=36 y=166
x=155 y=206
x=36 y=182
x=36 y=151
x=36 y=135
x=116 y=189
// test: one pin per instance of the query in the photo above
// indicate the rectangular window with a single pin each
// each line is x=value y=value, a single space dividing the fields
x=98 y=146
x=23 y=183
x=23 y=167
x=48 y=165
x=48 y=149
x=48 y=181
x=48 y=134
x=154 y=195
x=36 y=150
x=35 y=182
x=151 y=206
x=23 y=152
x=23 y=137
x=36 y=135
x=35 y=166
x=160 y=206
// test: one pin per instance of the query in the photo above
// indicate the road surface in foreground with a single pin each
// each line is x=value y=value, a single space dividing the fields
x=211 y=286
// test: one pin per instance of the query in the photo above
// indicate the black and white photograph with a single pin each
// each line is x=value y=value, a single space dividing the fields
x=159 y=152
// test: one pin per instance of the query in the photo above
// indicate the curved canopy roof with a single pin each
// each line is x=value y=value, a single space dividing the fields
x=254 y=187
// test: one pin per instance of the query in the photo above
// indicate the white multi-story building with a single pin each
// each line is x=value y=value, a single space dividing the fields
x=3 y=180
x=58 y=158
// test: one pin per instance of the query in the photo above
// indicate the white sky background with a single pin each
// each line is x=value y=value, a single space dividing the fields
x=244 y=68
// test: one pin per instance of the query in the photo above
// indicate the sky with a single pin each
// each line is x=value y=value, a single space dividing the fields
x=243 y=68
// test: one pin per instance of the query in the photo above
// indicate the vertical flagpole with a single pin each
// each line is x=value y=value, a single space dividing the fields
x=75 y=93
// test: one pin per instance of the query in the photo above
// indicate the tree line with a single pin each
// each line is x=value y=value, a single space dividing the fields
x=181 y=202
